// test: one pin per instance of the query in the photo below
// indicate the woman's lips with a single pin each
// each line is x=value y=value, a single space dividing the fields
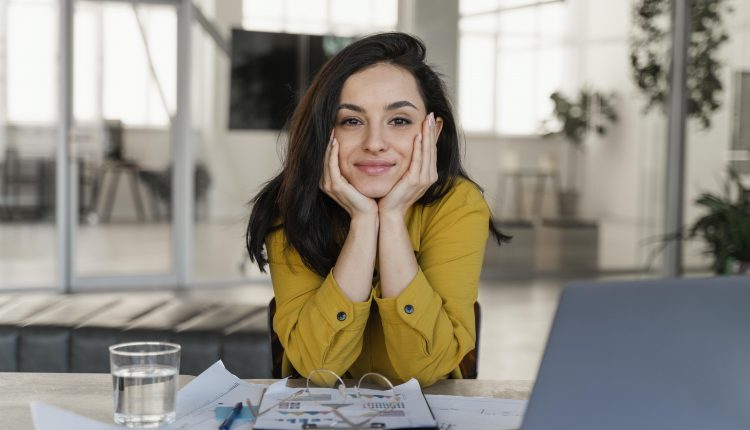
x=374 y=168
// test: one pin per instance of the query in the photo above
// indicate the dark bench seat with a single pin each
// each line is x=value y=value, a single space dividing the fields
x=71 y=333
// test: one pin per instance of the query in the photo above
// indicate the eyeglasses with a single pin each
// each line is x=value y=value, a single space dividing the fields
x=339 y=407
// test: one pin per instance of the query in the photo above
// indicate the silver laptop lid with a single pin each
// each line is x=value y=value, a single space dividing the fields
x=663 y=354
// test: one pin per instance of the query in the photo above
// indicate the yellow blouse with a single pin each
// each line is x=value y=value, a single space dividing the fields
x=423 y=333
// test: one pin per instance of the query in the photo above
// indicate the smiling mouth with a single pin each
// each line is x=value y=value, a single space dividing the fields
x=374 y=169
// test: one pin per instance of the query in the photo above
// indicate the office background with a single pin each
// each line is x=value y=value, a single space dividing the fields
x=119 y=171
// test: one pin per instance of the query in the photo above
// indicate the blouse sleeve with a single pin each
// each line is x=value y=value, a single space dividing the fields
x=429 y=327
x=318 y=326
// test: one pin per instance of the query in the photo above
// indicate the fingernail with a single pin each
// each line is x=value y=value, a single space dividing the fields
x=431 y=119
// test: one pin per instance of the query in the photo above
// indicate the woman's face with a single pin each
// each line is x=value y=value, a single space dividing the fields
x=380 y=114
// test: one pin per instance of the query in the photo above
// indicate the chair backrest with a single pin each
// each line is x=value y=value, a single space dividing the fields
x=469 y=365
x=277 y=351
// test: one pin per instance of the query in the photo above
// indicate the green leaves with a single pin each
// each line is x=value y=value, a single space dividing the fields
x=649 y=54
x=592 y=111
x=725 y=227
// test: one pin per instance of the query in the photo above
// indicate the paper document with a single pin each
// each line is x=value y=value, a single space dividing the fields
x=291 y=408
x=476 y=413
x=47 y=417
x=196 y=403
x=214 y=387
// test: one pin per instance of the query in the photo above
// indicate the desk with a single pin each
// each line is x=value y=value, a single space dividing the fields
x=90 y=394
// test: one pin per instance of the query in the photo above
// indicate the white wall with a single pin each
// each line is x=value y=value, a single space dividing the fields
x=436 y=23
x=240 y=161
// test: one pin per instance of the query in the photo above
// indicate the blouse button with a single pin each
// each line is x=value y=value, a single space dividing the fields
x=409 y=309
x=341 y=316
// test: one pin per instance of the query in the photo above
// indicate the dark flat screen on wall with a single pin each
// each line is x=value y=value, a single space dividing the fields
x=269 y=73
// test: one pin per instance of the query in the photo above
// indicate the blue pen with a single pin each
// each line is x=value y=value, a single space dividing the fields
x=230 y=419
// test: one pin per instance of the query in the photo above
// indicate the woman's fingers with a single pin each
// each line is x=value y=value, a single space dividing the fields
x=427 y=149
x=428 y=171
x=415 y=167
x=433 y=152
x=335 y=170
x=327 y=181
x=326 y=178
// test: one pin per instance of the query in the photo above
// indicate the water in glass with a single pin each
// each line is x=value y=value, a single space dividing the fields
x=144 y=395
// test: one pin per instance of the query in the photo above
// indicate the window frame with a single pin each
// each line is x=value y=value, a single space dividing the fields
x=538 y=42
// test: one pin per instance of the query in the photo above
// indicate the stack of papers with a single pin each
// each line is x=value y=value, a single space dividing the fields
x=285 y=408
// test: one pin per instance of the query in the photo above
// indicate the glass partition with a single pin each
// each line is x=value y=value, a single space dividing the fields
x=124 y=98
x=557 y=135
x=28 y=136
x=724 y=141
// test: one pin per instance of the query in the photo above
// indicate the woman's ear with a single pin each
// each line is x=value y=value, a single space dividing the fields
x=439 y=127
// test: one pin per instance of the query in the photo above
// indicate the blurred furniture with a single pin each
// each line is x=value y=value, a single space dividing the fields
x=159 y=185
x=114 y=166
x=514 y=259
x=114 y=169
x=468 y=365
x=55 y=333
x=26 y=177
x=28 y=186
x=568 y=245
x=539 y=179
x=514 y=179
x=90 y=395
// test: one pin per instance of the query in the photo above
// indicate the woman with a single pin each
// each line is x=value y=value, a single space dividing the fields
x=373 y=232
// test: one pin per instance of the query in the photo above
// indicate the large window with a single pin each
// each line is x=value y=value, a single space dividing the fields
x=512 y=57
x=30 y=56
x=106 y=35
x=341 y=17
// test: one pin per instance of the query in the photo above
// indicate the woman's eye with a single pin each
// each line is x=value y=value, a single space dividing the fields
x=400 y=121
x=350 y=121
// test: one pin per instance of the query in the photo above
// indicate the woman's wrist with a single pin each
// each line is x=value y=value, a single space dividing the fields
x=392 y=217
x=364 y=220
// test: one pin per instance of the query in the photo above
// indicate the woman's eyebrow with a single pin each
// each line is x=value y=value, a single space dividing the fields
x=391 y=106
x=400 y=104
x=350 y=106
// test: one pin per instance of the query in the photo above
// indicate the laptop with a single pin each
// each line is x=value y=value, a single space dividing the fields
x=662 y=354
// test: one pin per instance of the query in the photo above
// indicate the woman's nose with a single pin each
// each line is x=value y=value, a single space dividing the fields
x=374 y=140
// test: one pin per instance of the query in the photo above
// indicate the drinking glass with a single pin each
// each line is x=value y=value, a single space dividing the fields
x=144 y=380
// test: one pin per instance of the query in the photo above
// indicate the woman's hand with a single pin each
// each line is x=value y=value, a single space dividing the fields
x=422 y=172
x=339 y=189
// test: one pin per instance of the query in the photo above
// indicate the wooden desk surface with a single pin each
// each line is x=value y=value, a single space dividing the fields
x=90 y=394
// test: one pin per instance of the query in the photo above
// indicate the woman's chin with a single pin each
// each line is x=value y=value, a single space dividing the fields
x=375 y=192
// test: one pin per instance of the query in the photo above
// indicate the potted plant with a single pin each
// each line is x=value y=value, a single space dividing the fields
x=725 y=226
x=574 y=120
x=649 y=54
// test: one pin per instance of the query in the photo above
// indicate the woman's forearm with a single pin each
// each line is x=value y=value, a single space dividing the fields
x=356 y=262
x=397 y=262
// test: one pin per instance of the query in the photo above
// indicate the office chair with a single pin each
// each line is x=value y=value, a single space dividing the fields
x=468 y=365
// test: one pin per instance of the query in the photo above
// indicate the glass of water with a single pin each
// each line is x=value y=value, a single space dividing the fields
x=144 y=379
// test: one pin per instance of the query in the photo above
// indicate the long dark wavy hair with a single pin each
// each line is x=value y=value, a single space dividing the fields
x=314 y=224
